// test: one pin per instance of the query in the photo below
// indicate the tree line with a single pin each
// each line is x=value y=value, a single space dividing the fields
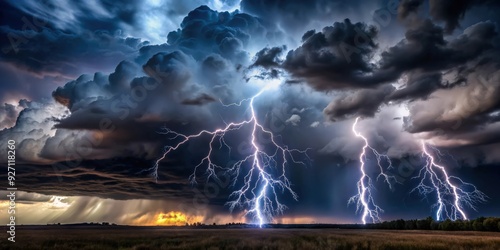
x=479 y=224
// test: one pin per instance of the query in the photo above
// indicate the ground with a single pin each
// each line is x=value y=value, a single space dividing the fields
x=60 y=237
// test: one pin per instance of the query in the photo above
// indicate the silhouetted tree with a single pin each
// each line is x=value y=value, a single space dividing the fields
x=447 y=225
x=477 y=225
x=435 y=225
x=411 y=224
x=467 y=225
x=491 y=224
x=425 y=224
x=400 y=224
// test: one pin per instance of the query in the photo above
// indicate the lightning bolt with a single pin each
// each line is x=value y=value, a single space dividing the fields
x=453 y=194
x=265 y=176
x=364 y=198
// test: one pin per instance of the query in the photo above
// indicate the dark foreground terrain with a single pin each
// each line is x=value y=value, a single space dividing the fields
x=54 y=237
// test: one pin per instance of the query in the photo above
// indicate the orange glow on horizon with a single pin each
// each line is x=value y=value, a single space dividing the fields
x=174 y=218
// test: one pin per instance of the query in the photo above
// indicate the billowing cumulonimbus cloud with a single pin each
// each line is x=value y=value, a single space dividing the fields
x=424 y=55
x=176 y=85
x=10 y=112
x=204 y=31
x=424 y=47
x=425 y=50
x=463 y=108
x=198 y=62
x=336 y=57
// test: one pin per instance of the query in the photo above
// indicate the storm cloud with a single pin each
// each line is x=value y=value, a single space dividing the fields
x=91 y=88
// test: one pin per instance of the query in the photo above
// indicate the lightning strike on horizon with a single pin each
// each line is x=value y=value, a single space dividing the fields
x=451 y=197
x=364 y=199
x=260 y=189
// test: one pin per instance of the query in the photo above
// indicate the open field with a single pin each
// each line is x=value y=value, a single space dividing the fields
x=250 y=238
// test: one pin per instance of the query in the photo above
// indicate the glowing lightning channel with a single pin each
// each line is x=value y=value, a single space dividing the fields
x=260 y=189
x=451 y=198
x=364 y=199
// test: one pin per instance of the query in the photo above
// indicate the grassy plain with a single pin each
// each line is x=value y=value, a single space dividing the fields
x=55 y=237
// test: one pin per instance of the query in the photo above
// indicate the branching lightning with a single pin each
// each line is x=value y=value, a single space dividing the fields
x=452 y=193
x=259 y=193
x=364 y=198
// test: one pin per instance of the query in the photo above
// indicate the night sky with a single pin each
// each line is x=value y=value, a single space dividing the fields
x=89 y=89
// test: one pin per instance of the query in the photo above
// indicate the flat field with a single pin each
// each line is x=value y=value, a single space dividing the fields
x=61 y=237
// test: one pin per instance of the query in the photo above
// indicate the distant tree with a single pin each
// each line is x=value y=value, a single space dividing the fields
x=467 y=225
x=214 y=224
x=491 y=224
x=400 y=224
x=410 y=224
x=425 y=224
x=447 y=225
x=458 y=225
x=435 y=225
x=477 y=225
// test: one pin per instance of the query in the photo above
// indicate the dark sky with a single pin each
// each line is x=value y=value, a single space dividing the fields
x=89 y=89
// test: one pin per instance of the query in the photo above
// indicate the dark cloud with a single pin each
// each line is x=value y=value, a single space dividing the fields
x=128 y=101
x=473 y=106
x=150 y=20
x=170 y=69
x=451 y=12
x=204 y=31
x=418 y=86
x=423 y=56
x=337 y=57
x=460 y=59
x=37 y=56
x=199 y=100
x=407 y=7
x=365 y=103
x=117 y=179
x=179 y=79
x=424 y=47
x=447 y=11
x=268 y=57
x=52 y=52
